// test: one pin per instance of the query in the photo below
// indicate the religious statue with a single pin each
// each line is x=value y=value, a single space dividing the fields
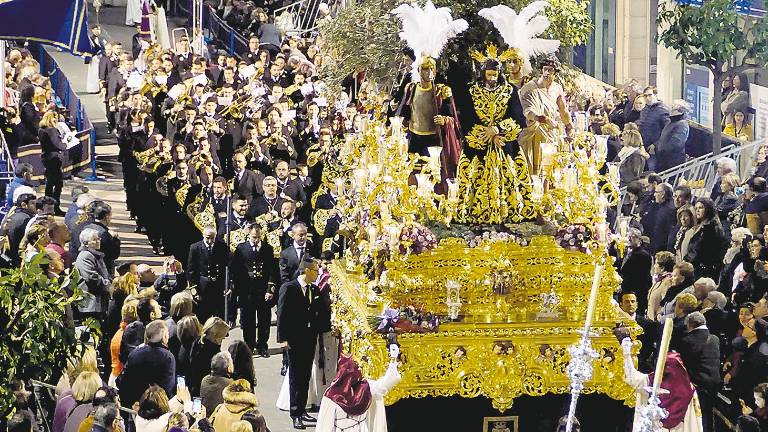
x=543 y=100
x=493 y=179
x=430 y=115
x=427 y=107
x=541 y=108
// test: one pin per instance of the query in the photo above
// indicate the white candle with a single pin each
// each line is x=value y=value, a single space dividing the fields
x=593 y=298
x=453 y=189
x=537 y=191
x=570 y=178
x=666 y=336
x=339 y=186
x=397 y=126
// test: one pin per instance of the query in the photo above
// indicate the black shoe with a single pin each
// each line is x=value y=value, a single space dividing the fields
x=298 y=424
x=283 y=370
x=264 y=352
x=307 y=418
x=59 y=212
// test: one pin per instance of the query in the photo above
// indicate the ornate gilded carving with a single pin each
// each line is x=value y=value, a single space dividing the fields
x=500 y=349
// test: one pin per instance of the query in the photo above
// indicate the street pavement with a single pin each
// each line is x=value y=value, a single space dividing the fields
x=135 y=247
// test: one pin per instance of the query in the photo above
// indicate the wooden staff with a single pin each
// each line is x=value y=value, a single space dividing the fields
x=666 y=336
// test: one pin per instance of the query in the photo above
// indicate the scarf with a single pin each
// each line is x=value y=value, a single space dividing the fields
x=349 y=390
x=626 y=152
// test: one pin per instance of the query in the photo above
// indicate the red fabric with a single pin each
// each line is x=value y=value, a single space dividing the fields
x=677 y=383
x=349 y=389
x=449 y=141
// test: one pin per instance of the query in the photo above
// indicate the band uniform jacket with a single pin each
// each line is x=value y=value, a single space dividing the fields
x=249 y=184
x=206 y=268
x=253 y=268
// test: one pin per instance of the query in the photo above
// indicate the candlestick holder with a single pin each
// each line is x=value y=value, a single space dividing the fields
x=650 y=414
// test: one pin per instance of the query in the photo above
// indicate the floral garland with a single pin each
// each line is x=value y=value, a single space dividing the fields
x=407 y=319
x=416 y=238
x=474 y=240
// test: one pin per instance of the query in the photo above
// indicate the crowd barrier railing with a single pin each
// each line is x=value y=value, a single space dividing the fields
x=78 y=156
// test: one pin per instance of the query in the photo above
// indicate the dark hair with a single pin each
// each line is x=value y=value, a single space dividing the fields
x=19 y=423
x=327 y=255
x=685 y=191
x=635 y=187
x=257 y=421
x=744 y=84
x=407 y=51
x=665 y=260
x=152 y=401
x=105 y=415
x=110 y=396
x=757 y=184
x=652 y=177
x=22 y=169
x=24 y=198
x=26 y=95
x=45 y=201
x=747 y=423
x=709 y=209
x=220 y=179
x=306 y=263
x=144 y=310
x=124 y=268
x=242 y=361
x=99 y=210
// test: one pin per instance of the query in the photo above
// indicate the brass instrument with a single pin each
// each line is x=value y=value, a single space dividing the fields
x=236 y=109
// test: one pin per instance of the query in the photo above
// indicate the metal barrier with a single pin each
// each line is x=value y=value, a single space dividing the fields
x=701 y=173
x=67 y=98
x=222 y=32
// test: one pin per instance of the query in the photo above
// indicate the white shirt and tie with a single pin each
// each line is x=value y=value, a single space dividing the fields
x=299 y=250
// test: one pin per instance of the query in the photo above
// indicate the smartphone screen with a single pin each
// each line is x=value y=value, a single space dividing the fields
x=180 y=382
x=197 y=405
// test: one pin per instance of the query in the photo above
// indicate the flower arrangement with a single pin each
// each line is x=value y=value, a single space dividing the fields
x=407 y=319
x=473 y=239
x=416 y=238
x=574 y=237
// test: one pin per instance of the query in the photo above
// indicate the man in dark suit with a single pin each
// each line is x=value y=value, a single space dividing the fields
x=289 y=188
x=16 y=225
x=297 y=329
x=254 y=271
x=246 y=182
x=635 y=269
x=110 y=242
x=207 y=261
x=219 y=197
x=645 y=359
x=291 y=257
x=700 y=352
x=269 y=202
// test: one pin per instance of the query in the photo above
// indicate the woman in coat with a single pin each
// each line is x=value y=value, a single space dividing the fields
x=632 y=156
x=203 y=350
x=95 y=280
x=737 y=99
x=708 y=244
x=670 y=148
x=52 y=147
x=727 y=203
x=238 y=400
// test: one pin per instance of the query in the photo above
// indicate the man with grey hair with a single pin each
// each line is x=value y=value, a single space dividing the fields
x=700 y=352
x=723 y=166
x=213 y=384
x=205 y=269
x=150 y=363
x=702 y=287
x=94 y=275
x=106 y=418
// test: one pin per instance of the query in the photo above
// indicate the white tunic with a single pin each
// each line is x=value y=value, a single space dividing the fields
x=133 y=12
x=332 y=418
x=638 y=380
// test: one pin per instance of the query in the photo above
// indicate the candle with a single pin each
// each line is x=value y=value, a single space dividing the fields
x=394 y=236
x=593 y=298
x=623 y=225
x=339 y=186
x=382 y=150
x=434 y=158
x=453 y=189
x=666 y=336
x=537 y=191
x=361 y=174
x=397 y=126
x=372 y=233
x=374 y=170
x=613 y=173
x=423 y=184
x=548 y=151
x=601 y=148
x=602 y=233
x=570 y=179
x=386 y=215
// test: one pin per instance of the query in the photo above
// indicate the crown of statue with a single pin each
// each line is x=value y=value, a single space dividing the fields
x=492 y=53
x=427 y=62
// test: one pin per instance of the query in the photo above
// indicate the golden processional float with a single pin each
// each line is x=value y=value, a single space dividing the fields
x=478 y=310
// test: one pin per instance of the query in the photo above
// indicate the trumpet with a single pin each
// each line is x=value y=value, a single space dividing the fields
x=236 y=109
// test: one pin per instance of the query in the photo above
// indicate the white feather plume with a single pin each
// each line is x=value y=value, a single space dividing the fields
x=426 y=31
x=521 y=30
